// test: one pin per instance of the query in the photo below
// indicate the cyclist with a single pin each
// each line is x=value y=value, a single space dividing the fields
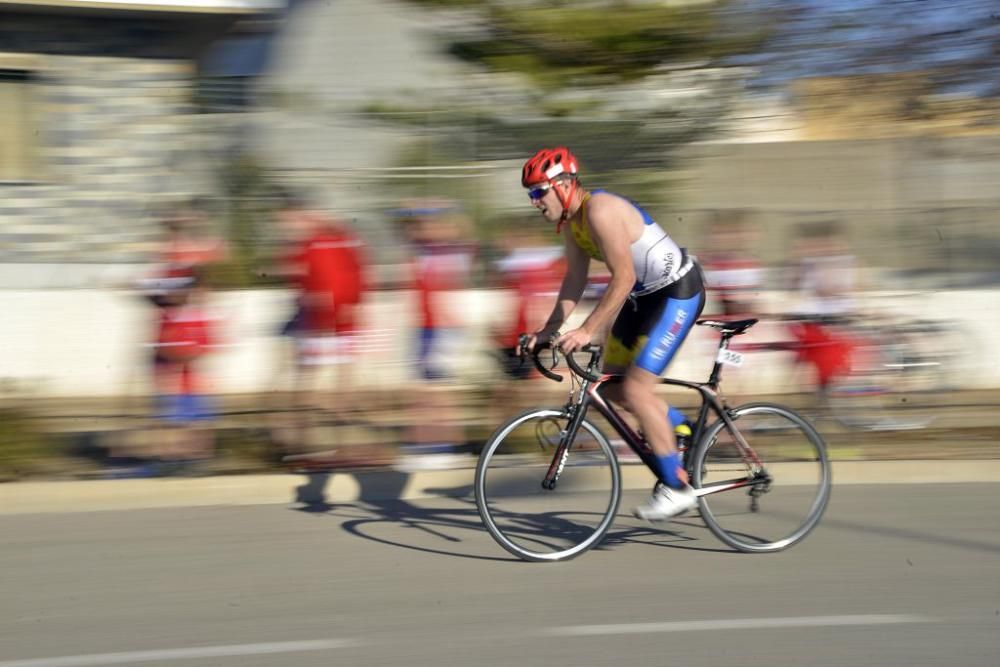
x=656 y=290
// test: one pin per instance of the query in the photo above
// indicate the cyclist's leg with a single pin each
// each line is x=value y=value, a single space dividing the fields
x=675 y=310
x=620 y=350
x=628 y=339
x=676 y=417
x=641 y=321
x=640 y=397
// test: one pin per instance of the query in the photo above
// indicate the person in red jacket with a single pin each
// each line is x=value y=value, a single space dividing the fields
x=443 y=255
x=327 y=270
x=442 y=259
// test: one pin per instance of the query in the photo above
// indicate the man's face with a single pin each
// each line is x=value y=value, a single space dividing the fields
x=544 y=198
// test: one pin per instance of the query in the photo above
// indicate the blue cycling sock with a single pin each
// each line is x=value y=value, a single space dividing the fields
x=669 y=467
x=675 y=416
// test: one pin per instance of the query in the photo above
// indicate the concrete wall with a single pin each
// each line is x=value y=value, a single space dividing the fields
x=94 y=342
x=116 y=132
x=915 y=204
x=858 y=175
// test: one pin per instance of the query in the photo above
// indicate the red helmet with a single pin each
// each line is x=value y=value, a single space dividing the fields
x=546 y=164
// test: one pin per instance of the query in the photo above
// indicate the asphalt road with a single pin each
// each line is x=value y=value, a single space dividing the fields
x=896 y=575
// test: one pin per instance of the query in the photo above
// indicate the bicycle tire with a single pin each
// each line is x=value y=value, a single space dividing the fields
x=533 y=523
x=797 y=470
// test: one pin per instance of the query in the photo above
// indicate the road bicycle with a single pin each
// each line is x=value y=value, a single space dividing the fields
x=548 y=482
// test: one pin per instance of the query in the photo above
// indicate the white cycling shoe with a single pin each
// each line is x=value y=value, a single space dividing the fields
x=667 y=503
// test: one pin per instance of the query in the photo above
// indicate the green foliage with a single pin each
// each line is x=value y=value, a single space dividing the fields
x=557 y=46
x=569 y=47
x=248 y=212
x=23 y=445
x=574 y=57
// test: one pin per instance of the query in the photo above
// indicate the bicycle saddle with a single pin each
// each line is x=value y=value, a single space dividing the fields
x=734 y=328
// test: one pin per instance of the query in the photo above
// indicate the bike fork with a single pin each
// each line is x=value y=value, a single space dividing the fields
x=566 y=438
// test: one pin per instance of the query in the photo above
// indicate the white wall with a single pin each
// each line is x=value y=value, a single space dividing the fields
x=93 y=342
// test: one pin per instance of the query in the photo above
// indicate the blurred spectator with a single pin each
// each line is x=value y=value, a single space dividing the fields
x=175 y=286
x=189 y=239
x=735 y=275
x=188 y=245
x=531 y=272
x=185 y=335
x=327 y=269
x=826 y=273
x=442 y=261
x=825 y=277
x=443 y=258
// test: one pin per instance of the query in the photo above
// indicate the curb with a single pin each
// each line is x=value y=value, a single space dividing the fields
x=386 y=485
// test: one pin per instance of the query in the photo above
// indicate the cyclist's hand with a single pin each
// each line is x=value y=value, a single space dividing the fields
x=573 y=340
x=527 y=342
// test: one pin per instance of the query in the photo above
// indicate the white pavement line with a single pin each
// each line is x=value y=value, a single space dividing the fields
x=735 y=624
x=193 y=653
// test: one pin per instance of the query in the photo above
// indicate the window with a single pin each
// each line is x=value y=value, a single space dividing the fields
x=18 y=132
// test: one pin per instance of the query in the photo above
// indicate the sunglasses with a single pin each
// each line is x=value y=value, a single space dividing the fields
x=537 y=192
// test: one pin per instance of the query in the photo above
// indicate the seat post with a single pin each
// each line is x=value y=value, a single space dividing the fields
x=716 y=376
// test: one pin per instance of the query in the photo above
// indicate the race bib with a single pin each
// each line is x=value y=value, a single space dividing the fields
x=730 y=358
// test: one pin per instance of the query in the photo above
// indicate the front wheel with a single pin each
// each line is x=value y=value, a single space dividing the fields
x=770 y=506
x=541 y=524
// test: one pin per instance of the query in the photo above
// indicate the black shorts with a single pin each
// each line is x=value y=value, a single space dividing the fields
x=650 y=328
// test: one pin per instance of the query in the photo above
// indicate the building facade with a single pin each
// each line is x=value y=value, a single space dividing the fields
x=98 y=122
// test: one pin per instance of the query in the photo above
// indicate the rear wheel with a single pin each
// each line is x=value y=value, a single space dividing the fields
x=775 y=505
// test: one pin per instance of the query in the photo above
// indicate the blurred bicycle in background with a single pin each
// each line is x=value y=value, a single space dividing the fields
x=874 y=375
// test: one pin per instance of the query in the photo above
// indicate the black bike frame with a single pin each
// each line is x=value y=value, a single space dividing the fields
x=711 y=401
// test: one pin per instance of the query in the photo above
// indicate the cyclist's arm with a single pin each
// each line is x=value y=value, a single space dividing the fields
x=573 y=284
x=611 y=234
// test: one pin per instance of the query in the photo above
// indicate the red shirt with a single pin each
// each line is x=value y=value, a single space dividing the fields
x=331 y=277
x=184 y=336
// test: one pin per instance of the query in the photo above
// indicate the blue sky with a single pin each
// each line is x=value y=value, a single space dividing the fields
x=827 y=37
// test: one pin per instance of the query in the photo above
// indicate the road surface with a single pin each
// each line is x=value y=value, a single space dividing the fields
x=895 y=575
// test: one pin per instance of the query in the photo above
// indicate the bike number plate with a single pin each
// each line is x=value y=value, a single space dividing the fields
x=730 y=358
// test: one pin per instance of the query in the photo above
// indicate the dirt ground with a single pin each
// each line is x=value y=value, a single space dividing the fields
x=252 y=433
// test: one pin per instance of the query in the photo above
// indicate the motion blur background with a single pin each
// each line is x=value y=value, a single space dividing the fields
x=740 y=125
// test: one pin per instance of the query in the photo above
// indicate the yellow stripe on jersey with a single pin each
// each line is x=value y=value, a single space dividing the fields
x=581 y=233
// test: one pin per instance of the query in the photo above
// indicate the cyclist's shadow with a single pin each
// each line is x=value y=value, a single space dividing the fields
x=678 y=533
x=379 y=513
